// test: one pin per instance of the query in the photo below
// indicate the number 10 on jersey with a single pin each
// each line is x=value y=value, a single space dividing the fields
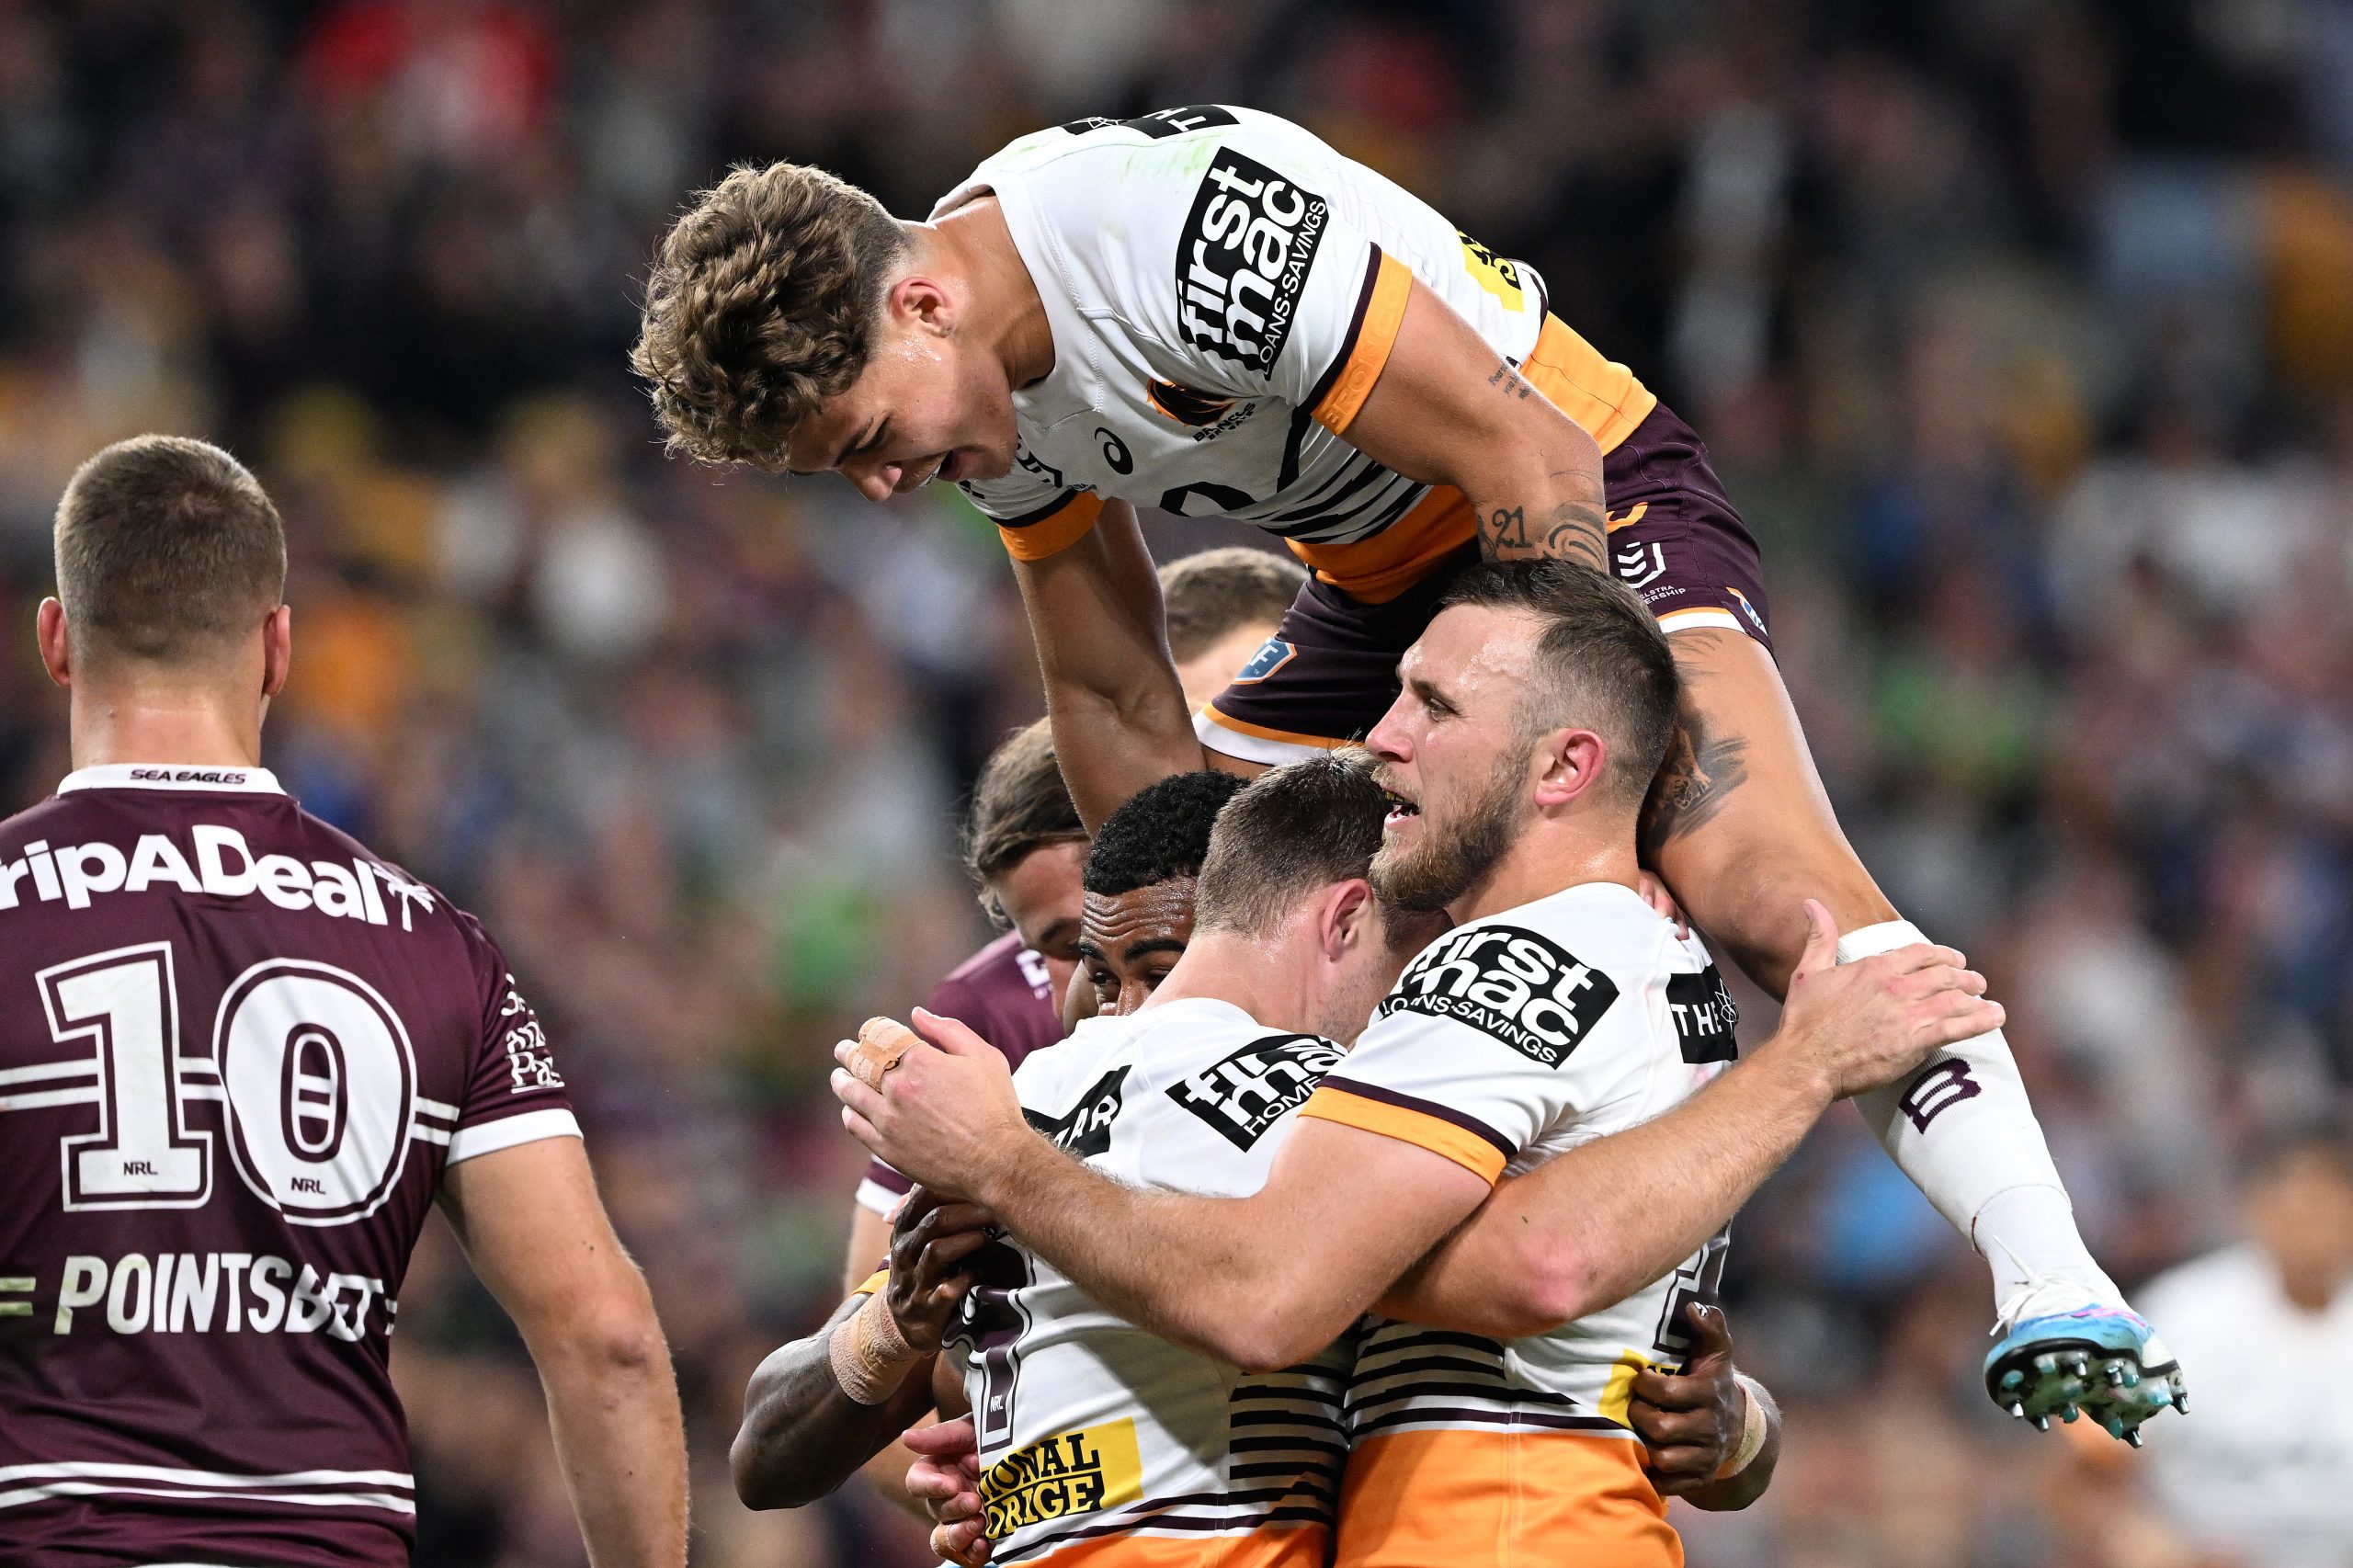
x=312 y=1067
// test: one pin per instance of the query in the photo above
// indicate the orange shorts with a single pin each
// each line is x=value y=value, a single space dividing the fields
x=1502 y=1499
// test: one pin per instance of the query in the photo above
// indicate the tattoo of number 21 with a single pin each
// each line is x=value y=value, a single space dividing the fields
x=1573 y=532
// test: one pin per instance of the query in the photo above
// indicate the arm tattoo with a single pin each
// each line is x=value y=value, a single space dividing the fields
x=1701 y=770
x=1573 y=530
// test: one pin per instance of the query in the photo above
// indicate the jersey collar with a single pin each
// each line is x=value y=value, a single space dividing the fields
x=171 y=776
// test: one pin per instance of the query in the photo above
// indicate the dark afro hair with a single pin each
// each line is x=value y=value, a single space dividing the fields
x=1160 y=833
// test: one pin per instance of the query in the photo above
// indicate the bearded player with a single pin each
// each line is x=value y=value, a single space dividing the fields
x=241 y=1060
x=1210 y=310
x=1561 y=1032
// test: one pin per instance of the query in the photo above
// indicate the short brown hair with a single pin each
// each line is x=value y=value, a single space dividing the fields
x=165 y=548
x=761 y=305
x=1019 y=805
x=1294 y=829
x=1601 y=660
x=1208 y=595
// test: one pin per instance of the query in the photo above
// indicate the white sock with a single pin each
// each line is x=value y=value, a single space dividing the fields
x=1964 y=1133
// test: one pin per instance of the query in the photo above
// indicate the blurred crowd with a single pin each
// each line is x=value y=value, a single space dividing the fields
x=2023 y=333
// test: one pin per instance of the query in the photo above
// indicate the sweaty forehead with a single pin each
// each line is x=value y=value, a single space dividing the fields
x=1159 y=913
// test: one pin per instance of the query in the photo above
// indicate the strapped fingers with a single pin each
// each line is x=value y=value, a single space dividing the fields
x=855 y=1095
x=962 y=1543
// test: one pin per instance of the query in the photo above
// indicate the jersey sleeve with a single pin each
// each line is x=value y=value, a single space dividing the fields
x=880 y=1188
x=1036 y=514
x=1493 y=1037
x=514 y=1093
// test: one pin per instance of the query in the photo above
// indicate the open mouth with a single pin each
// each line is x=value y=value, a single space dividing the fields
x=1400 y=809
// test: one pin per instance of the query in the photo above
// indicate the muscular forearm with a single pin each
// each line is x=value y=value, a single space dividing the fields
x=1555 y=505
x=613 y=1406
x=1596 y=1225
x=802 y=1436
x=1449 y=410
x=1175 y=1264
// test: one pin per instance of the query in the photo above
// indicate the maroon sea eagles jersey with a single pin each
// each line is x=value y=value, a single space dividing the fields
x=237 y=1051
x=1002 y=994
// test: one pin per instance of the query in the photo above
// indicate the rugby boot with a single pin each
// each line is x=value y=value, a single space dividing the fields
x=2096 y=1362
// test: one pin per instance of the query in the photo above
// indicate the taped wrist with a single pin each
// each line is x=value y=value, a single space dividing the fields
x=1753 y=1432
x=869 y=1356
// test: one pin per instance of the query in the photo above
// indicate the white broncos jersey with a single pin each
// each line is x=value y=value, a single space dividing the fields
x=1090 y=1430
x=1507 y=1042
x=1223 y=290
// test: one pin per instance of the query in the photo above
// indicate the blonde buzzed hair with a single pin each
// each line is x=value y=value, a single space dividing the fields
x=762 y=305
x=167 y=550
x=1213 y=593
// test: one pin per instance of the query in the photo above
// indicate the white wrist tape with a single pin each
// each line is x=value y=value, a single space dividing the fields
x=1753 y=1430
x=869 y=1356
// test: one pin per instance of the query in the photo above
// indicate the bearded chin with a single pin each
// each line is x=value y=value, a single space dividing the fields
x=1445 y=866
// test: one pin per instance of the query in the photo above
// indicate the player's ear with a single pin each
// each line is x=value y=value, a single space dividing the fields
x=924 y=303
x=277 y=649
x=1345 y=917
x=49 y=629
x=1568 y=762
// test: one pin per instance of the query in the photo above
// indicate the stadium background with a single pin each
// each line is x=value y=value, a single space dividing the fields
x=2022 y=332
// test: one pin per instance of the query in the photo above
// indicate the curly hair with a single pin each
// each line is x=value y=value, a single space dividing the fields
x=1160 y=833
x=761 y=305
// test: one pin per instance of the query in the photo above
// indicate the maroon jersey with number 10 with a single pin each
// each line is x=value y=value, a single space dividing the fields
x=237 y=1051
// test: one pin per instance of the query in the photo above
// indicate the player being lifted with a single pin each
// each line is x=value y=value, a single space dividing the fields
x=1541 y=1110
x=1209 y=311
x=241 y=1059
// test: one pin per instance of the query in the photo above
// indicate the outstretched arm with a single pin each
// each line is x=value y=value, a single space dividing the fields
x=1594 y=1225
x=1119 y=715
x=531 y=1224
x=1449 y=410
